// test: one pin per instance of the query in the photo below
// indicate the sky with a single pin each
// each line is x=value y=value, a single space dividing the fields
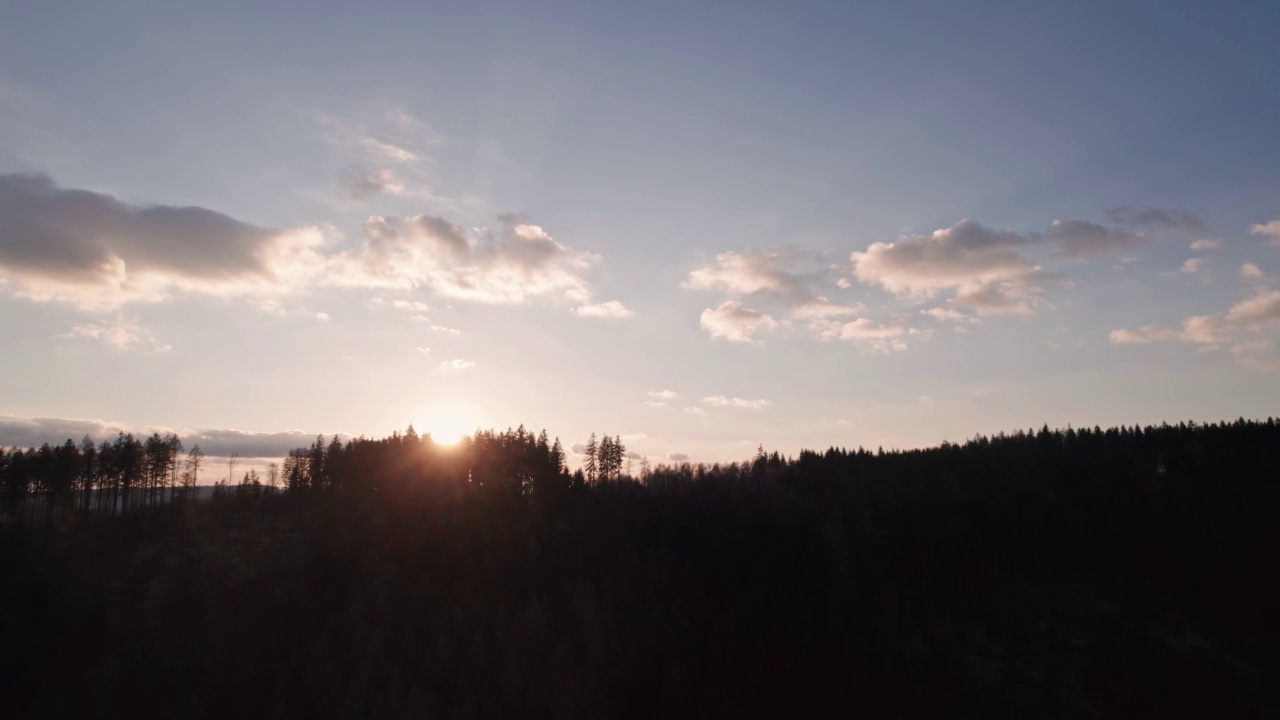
x=701 y=227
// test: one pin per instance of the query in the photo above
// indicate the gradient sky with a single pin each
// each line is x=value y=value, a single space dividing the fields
x=699 y=226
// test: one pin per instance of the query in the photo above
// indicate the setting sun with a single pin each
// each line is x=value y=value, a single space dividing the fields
x=447 y=421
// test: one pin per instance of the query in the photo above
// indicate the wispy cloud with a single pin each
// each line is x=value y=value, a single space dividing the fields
x=611 y=309
x=735 y=402
x=735 y=322
x=120 y=334
x=458 y=364
x=512 y=264
x=1269 y=230
x=1253 y=314
x=1195 y=265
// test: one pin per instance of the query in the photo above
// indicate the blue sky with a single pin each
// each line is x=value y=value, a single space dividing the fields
x=700 y=227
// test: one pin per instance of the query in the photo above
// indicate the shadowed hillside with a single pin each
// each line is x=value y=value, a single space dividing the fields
x=1080 y=573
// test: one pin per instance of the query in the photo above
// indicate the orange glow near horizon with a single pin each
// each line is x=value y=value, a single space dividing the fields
x=447 y=421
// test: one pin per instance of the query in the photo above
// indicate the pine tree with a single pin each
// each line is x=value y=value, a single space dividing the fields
x=589 y=465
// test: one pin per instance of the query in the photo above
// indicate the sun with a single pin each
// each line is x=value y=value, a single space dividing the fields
x=447 y=421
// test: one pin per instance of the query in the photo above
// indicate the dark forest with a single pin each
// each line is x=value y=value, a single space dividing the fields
x=1077 y=573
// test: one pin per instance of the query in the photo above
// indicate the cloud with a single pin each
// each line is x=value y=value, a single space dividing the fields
x=395 y=138
x=964 y=257
x=1269 y=229
x=1142 y=336
x=1201 y=245
x=945 y=314
x=358 y=183
x=513 y=264
x=695 y=410
x=995 y=299
x=678 y=457
x=866 y=329
x=1257 y=355
x=1251 y=315
x=423 y=350
x=820 y=308
x=664 y=394
x=869 y=333
x=768 y=277
x=121 y=334
x=750 y=271
x=458 y=364
x=655 y=403
x=1081 y=240
x=633 y=437
x=1249 y=271
x=1156 y=219
x=735 y=322
x=96 y=252
x=1195 y=265
x=611 y=309
x=411 y=305
x=16 y=431
x=1261 y=309
x=722 y=401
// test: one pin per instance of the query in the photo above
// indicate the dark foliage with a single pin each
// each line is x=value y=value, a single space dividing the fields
x=1081 y=573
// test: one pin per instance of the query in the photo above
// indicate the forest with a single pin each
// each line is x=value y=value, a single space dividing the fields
x=1067 y=573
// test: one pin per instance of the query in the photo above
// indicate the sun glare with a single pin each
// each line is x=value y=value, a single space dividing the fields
x=447 y=422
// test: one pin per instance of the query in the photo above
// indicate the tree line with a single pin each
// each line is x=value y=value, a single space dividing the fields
x=1077 y=572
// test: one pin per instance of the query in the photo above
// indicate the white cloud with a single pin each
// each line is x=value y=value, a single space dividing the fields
x=411 y=305
x=993 y=299
x=611 y=309
x=820 y=308
x=655 y=403
x=664 y=394
x=945 y=314
x=694 y=410
x=323 y=317
x=121 y=334
x=1249 y=271
x=875 y=336
x=1269 y=229
x=735 y=322
x=1208 y=244
x=722 y=401
x=514 y=264
x=768 y=277
x=1195 y=265
x=1251 y=315
x=965 y=257
x=423 y=350
x=749 y=271
x=458 y=364
x=1261 y=309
